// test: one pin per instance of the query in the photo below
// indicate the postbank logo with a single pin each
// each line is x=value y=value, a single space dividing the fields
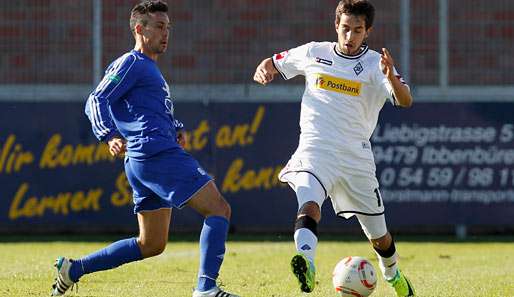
x=339 y=85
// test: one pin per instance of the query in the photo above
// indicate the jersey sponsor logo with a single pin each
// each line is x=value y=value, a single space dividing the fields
x=168 y=103
x=282 y=55
x=339 y=85
x=114 y=78
x=323 y=61
x=358 y=68
x=169 y=106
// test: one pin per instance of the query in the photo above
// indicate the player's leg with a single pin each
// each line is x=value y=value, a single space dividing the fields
x=210 y=204
x=153 y=218
x=177 y=178
x=153 y=236
x=376 y=230
x=153 y=228
x=310 y=195
x=153 y=231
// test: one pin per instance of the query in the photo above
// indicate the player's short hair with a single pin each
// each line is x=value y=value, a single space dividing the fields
x=357 y=8
x=141 y=10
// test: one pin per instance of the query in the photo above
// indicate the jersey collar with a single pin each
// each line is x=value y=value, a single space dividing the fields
x=362 y=52
x=141 y=56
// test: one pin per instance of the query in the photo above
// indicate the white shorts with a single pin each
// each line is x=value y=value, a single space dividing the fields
x=351 y=194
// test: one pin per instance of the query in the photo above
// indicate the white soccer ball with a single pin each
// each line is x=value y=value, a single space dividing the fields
x=354 y=277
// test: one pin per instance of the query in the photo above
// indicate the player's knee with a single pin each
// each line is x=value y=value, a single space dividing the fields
x=223 y=209
x=156 y=249
x=150 y=248
x=311 y=209
x=218 y=207
x=310 y=206
x=227 y=209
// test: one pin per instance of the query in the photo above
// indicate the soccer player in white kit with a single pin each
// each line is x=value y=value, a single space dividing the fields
x=346 y=86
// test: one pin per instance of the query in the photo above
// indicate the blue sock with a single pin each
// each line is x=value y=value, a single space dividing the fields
x=212 y=251
x=116 y=254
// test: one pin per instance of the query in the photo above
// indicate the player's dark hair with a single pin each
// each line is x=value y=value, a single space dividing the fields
x=356 y=8
x=138 y=13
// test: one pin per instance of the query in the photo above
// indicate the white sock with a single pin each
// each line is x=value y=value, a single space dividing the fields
x=306 y=243
x=389 y=266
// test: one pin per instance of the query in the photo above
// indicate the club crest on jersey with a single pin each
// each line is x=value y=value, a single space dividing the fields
x=339 y=85
x=282 y=55
x=323 y=61
x=358 y=68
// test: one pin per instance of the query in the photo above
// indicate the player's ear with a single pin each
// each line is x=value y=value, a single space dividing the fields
x=368 y=31
x=336 y=26
x=138 y=28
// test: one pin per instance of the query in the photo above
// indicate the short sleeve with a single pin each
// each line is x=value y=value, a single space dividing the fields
x=384 y=86
x=292 y=62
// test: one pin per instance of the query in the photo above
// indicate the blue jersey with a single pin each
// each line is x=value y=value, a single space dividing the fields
x=134 y=100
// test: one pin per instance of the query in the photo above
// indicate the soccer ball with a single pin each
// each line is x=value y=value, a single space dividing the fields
x=354 y=277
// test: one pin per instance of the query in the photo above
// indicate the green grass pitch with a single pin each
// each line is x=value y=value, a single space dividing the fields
x=438 y=267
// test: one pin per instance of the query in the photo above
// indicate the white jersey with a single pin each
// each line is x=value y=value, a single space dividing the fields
x=341 y=103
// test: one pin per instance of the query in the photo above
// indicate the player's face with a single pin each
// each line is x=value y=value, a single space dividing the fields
x=156 y=33
x=351 y=33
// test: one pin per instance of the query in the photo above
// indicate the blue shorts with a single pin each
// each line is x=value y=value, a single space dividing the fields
x=168 y=179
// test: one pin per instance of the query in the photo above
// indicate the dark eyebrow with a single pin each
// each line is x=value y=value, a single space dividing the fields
x=357 y=27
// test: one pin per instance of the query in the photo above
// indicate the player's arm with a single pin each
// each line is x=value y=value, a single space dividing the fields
x=287 y=63
x=401 y=91
x=118 y=79
x=265 y=72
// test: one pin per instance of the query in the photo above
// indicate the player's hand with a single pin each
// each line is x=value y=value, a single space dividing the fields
x=182 y=138
x=387 y=63
x=117 y=146
x=265 y=72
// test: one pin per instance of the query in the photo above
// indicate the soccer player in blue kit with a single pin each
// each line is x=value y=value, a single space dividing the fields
x=131 y=109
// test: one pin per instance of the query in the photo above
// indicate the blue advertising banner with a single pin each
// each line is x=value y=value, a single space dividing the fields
x=447 y=164
x=438 y=164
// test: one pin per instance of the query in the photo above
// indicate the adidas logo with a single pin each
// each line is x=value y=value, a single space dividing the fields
x=306 y=247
